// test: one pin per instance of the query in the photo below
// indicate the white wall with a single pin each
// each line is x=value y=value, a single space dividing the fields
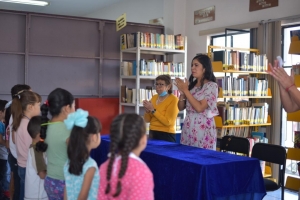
x=228 y=13
x=140 y=11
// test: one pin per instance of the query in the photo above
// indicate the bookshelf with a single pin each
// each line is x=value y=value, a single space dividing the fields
x=144 y=72
x=227 y=66
x=245 y=119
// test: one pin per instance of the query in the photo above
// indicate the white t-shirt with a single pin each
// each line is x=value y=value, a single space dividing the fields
x=12 y=146
x=34 y=185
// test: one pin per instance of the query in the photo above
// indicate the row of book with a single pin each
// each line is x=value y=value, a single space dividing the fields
x=153 y=40
x=154 y=68
x=243 y=85
x=129 y=95
x=240 y=113
x=241 y=61
x=246 y=132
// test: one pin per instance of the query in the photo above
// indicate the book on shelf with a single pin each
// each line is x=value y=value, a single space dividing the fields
x=243 y=112
x=154 y=68
x=128 y=95
x=241 y=61
x=128 y=68
x=152 y=40
x=243 y=85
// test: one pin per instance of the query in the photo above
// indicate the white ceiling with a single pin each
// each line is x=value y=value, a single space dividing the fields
x=62 y=7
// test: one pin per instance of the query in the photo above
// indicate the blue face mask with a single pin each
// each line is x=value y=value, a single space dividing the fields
x=164 y=93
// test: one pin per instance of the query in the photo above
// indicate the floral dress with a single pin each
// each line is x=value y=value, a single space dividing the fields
x=199 y=129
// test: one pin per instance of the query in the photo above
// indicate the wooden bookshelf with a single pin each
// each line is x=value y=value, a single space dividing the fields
x=245 y=97
x=219 y=123
x=218 y=66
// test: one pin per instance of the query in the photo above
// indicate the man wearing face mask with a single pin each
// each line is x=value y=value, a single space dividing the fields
x=161 y=111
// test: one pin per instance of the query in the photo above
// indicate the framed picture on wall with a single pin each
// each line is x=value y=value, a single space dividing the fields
x=204 y=15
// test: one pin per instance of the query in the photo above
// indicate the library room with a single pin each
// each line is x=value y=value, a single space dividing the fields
x=160 y=99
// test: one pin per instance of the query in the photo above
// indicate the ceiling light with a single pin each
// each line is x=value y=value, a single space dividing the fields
x=29 y=2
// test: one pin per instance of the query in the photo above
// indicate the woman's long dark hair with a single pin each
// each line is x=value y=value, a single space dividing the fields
x=208 y=74
x=126 y=131
x=57 y=99
x=77 y=150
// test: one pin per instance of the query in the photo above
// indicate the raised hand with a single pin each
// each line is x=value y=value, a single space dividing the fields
x=280 y=75
x=182 y=85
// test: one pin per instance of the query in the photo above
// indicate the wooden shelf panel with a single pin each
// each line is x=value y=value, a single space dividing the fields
x=297 y=80
x=145 y=50
x=146 y=77
x=127 y=104
x=295 y=116
x=233 y=48
x=246 y=97
x=220 y=95
x=219 y=123
x=218 y=67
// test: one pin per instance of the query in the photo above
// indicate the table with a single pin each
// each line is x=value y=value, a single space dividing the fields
x=187 y=173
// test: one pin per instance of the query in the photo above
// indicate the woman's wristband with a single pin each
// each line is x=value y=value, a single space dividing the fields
x=288 y=88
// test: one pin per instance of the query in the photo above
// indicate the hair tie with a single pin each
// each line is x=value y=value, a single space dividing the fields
x=18 y=94
x=46 y=103
x=77 y=118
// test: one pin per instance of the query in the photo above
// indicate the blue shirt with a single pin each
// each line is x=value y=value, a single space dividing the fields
x=3 y=149
x=74 y=182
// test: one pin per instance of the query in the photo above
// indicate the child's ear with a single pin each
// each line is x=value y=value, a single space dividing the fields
x=143 y=140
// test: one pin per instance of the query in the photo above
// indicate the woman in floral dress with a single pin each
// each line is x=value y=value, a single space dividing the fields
x=199 y=98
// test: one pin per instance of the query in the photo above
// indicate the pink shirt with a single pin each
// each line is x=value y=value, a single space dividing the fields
x=137 y=183
x=23 y=142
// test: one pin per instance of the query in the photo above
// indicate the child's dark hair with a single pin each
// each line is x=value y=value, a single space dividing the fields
x=208 y=74
x=126 y=131
x=34 y=126
x=7 y=116
x=2 y=105
x=77 y=150
x=17 y=88
x=20 y=103
x=57 y=99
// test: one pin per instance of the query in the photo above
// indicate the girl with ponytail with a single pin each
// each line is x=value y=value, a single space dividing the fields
x=54 y=135
x=124 y=175
x=81 y=171
x=25 y=106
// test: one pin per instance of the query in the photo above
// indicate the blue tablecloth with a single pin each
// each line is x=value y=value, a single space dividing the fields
x=187 y=173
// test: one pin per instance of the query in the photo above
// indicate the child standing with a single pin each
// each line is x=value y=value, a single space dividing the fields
x=36 y=164
x=60 y=104
x=24 y=107
x=81 y=171
x=124 y=175
x=4 y=184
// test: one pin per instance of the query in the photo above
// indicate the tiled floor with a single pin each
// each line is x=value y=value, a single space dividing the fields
x=276 y=195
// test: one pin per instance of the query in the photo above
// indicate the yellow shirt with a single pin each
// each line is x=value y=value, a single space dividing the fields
x=164 y=118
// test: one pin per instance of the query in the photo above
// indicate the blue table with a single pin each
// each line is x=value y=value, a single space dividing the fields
x=188 y=173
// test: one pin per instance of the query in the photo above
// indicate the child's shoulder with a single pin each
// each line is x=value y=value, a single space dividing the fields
x=90 y=163
x=2 y=128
